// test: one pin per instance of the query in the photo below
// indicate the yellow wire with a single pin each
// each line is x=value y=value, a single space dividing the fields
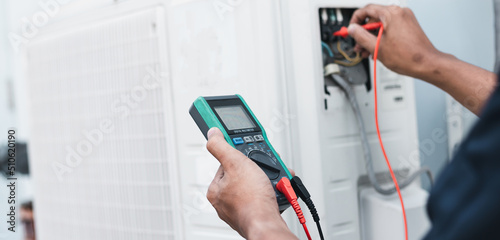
x=347 y=64
x=353 y=63
x=339 y=48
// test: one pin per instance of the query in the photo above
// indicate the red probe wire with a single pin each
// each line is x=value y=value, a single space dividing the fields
x=285 y=187
x=369 y=26
x=375 y=56
x=373 y=26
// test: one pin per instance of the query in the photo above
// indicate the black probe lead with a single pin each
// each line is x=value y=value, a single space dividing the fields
x=303 y=194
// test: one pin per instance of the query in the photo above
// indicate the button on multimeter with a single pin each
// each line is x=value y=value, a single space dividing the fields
x=238 y=141
x=258 y=138
x=248 y=139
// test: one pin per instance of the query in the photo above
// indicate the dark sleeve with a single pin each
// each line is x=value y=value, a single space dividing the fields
x=465 y=201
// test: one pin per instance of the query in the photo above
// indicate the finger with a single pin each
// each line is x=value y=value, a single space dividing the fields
x=213 y=188
x=221 y=150
x=218 y=175
x=291 y=171
x=362 y=51
x=358 y=48
x=364 y=38
x=372 y=20
x=365 y=54
x=372 y=11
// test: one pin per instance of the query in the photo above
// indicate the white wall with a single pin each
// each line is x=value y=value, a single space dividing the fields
x=6 y=110
x=15 y=12
x=12 y=93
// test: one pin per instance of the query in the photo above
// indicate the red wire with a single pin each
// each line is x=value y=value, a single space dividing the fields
x=375 y=56
x=307 y=231
x=285 y=187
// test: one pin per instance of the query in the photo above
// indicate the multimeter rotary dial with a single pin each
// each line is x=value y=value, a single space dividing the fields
x=265 y=162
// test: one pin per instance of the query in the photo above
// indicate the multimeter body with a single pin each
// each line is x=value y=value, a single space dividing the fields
x=244 y=132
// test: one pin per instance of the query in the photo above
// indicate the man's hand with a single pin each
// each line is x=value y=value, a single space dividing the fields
x=242 y=193
x=404 y=48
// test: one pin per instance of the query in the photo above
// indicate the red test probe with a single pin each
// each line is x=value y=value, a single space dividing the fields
x=285 y=187
x=373 y=26
x=369 y=26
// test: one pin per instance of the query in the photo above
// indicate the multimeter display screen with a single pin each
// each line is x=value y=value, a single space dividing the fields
x=234 y=117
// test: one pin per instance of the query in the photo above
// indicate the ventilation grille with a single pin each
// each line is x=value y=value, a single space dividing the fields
x=98 y=100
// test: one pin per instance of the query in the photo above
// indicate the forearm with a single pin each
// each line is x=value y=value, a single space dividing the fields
x=272 y=229
x=468 y=84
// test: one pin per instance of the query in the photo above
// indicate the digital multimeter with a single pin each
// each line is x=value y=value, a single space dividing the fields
x=244 y=132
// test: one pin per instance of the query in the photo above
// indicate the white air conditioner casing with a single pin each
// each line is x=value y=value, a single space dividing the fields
x=148 y=177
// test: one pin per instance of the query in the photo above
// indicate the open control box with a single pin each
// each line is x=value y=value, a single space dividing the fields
x=340 y=50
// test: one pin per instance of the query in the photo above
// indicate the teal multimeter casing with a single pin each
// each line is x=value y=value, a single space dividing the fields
x=244 y=132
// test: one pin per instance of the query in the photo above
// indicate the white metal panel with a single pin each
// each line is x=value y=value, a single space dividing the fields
x=381 y=215
x=120 y=181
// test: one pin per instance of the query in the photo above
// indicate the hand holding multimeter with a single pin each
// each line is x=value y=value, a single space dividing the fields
x=242 y=131
x=241 y=192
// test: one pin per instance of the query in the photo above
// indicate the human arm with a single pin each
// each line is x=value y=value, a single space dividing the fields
x=405 y=49
x=242 y=194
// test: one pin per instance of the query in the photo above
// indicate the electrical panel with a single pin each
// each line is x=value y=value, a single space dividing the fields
x=353 y=67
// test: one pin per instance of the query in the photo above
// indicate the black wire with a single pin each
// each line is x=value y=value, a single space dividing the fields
x=309 y=203
x=302 y=192
x=320 y=231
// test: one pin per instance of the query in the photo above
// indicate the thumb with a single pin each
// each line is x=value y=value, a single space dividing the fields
x=362 y=37
x=221 y=150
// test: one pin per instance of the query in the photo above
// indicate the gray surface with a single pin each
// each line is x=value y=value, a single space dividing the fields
x=497 y=34
x=465 y=29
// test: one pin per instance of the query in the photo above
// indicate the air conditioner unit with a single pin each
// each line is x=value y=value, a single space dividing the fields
x=115 y=154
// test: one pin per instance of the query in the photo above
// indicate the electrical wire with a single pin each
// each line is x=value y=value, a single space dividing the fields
x=329 y=50
x=320 y=231
x=334 y=72
x=375 y=56
x=285 y=186
x=346 y=56
x=351 y=62
x=301 y=191
x=347 y=64
x=366 y=146
x=306 y=231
